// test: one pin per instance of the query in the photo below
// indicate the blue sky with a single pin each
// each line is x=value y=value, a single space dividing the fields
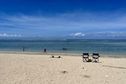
x=63 y=18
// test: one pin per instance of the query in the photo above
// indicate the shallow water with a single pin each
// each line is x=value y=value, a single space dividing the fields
x=110 y=47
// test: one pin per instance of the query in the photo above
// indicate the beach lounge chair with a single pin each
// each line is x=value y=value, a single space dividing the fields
x=95 y=57
x=85 y=57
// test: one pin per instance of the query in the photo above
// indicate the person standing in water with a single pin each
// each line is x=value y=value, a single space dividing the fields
x=23 y=49
x=45 y=50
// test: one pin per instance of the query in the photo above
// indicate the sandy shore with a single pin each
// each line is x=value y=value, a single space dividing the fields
x=41 y=69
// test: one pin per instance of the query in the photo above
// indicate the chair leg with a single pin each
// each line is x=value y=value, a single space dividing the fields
x=98 y=59
x=94 y=60
x=85 y=59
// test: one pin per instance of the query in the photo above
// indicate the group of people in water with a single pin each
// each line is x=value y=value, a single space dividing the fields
x=44 y=50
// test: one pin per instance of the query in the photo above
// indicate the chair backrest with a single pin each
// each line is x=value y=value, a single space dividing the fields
x=86 y=54
x=96 y=54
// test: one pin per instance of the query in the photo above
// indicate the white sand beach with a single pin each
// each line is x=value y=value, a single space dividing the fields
x=42 y=69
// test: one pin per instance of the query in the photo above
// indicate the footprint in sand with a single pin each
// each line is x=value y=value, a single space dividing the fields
x=64 y=72
x=86 y=76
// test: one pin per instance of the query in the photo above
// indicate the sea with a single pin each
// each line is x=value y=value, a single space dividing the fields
x=108 y=47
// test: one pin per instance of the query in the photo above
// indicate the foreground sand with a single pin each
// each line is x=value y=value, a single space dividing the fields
x=41 y=69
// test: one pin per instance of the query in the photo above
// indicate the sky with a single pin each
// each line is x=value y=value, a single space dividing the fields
x=63 y=18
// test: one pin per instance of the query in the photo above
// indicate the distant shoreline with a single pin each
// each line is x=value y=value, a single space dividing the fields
x=60 y=53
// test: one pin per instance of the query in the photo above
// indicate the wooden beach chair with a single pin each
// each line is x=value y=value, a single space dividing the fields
x=95 y=57
x=85 y=57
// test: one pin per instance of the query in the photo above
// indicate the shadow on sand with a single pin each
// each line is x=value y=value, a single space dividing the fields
x=114 y=67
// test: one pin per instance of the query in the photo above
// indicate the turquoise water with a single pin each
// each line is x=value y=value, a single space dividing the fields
x=113 y=47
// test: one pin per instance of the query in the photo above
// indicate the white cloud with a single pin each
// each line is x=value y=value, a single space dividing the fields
x=66 y=21
x=63 y=23
x=100 y=35
x=78 y=34
x=112 y=34
x=9 y=35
